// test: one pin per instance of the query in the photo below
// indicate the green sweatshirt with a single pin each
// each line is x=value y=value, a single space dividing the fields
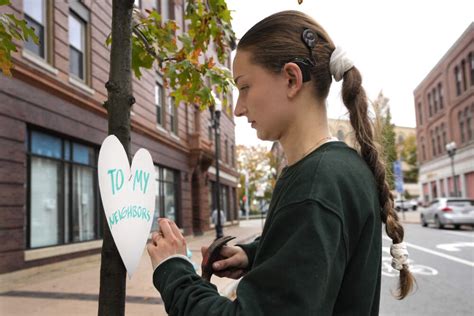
x=319 y=253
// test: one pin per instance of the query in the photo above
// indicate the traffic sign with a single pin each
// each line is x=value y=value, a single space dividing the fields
x=398 y=173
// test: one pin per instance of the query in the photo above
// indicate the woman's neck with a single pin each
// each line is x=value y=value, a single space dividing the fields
x=309 y=131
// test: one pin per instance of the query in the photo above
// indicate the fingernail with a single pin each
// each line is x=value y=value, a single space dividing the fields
x=216 y=266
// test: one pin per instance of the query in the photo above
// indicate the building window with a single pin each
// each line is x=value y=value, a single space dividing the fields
x=420 y=114
x=232 y=153
x=440 y=93
x=62 y=190
x=457 y=77
x=468 y=117
x=435 y=100
x=461 y=126
x=433 y=147
x=173 y=111
x=225 y=201
x=423 y=151
x=159 y=98
x=226 y=148
x=438 y=139
x=430 y=104
x=471 y=62
x=443 y=131
x=77 y=46
x=36 y=16
x=463 y=73
x=166 y=10
x=167 y=195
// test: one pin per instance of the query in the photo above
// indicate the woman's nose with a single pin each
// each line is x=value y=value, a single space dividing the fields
x=239 y=109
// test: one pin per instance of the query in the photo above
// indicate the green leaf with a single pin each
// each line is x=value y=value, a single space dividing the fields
x=108 y=40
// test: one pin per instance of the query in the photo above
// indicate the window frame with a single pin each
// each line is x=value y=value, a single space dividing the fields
x=63 y=199
x=430 y=104
x=161 y=194
x=463 y=75
x=468 y=123
x=173 y=115
x=48 y=42
x=420 y=113
x=423 y=149
x=160 y=111
x=83 y=24
x=82 y=13
x=471 y=62
x=440 y=94
x=433 y=144
x=461 y=126
x=457 y=80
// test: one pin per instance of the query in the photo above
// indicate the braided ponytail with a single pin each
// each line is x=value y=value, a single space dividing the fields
x=355 y=99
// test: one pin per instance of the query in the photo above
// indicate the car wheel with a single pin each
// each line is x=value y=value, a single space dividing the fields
x=438 y=223
x=423 y=222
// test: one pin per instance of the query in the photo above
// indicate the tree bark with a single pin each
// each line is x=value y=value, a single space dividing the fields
x=120 y=99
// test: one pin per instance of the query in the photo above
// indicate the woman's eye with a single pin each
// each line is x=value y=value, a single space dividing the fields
x=243 y=88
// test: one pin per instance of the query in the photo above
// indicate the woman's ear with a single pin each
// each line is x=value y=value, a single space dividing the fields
x=294 y=78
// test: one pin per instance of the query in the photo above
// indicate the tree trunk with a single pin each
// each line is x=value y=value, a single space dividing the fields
x=120 y=98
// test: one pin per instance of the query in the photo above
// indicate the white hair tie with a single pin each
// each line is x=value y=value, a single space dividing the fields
x=339 y=63
x=399 y=253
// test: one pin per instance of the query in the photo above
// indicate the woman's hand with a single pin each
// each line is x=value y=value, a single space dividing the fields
x=167 y=242
x=234 y=263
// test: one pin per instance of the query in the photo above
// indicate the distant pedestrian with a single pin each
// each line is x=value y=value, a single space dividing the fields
x=320 y=250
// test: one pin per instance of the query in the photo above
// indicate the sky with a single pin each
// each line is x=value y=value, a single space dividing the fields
x=394 y=44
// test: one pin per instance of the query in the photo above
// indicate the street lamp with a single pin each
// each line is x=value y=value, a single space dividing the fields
x=215 y=120
x=451 y=149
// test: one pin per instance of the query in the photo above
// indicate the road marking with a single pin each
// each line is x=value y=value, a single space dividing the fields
x=436 y=253
x=455 y=246
x=467 y=234
x=389 y=271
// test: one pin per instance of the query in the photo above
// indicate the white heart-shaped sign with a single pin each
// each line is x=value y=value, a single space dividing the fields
x=128 y=196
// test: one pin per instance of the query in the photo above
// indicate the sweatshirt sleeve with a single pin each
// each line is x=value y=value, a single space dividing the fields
x=297 y=270
x=250 y=250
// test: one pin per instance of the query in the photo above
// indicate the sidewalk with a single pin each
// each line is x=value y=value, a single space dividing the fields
x=409 y=217
x=72 y=287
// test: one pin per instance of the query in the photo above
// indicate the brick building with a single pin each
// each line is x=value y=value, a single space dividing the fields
x=444 y=103
x=52 y=124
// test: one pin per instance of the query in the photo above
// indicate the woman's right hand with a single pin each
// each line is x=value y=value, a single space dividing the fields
x=234 y=265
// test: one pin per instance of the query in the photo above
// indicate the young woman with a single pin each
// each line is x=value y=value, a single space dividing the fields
x=320 y=250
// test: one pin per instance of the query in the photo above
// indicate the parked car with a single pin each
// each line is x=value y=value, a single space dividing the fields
x=407 y=205
x=448 y=211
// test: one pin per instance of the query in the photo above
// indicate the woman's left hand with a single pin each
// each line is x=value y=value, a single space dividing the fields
x=167 y=242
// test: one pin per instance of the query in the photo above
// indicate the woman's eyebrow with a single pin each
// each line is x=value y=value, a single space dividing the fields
x=237 y=79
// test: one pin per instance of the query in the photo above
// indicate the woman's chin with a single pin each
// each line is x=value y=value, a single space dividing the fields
x=265 y=136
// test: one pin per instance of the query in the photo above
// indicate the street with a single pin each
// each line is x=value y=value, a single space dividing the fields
x=443 y=264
